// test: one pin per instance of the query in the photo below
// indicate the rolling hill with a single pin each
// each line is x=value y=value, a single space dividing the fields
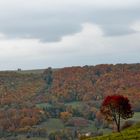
x=32 y=100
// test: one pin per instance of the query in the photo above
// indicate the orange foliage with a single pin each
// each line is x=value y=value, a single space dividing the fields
x=65 y=116
x=96 y=82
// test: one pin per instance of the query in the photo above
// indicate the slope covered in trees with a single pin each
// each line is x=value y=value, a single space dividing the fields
x=71 y=95
x=96 y=82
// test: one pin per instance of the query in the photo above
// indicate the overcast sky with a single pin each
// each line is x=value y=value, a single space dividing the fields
x=59 y=33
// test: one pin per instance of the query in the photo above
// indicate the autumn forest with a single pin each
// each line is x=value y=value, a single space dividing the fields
x=64 y=104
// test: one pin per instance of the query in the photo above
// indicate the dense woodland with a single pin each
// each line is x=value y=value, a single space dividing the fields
x=72 y=95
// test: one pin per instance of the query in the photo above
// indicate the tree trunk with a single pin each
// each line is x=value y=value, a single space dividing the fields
x=118 y=124
x=118 y=127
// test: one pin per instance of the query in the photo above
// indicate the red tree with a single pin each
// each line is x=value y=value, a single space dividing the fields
x=116 y=107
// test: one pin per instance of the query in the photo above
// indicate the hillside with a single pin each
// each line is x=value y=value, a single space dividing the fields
x=63 y=102
x=132 y=133
x=95 y=82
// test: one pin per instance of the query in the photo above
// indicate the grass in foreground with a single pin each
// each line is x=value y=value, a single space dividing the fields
x=132 y=133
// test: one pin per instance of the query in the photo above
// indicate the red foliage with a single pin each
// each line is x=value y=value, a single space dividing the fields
x=120 y=104
x=115 y=107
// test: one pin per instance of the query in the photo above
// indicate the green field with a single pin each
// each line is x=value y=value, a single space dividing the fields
x=34 y=71
x=37 y=71
x=52 y=125
x=75 y=104
x=136 y=117
x=43 y=105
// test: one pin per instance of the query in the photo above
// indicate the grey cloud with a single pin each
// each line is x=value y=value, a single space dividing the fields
x=51 y=25
x=117 y=22
x=116 y=29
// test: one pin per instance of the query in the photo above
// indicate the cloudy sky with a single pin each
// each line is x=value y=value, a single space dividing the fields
x=59 y=33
